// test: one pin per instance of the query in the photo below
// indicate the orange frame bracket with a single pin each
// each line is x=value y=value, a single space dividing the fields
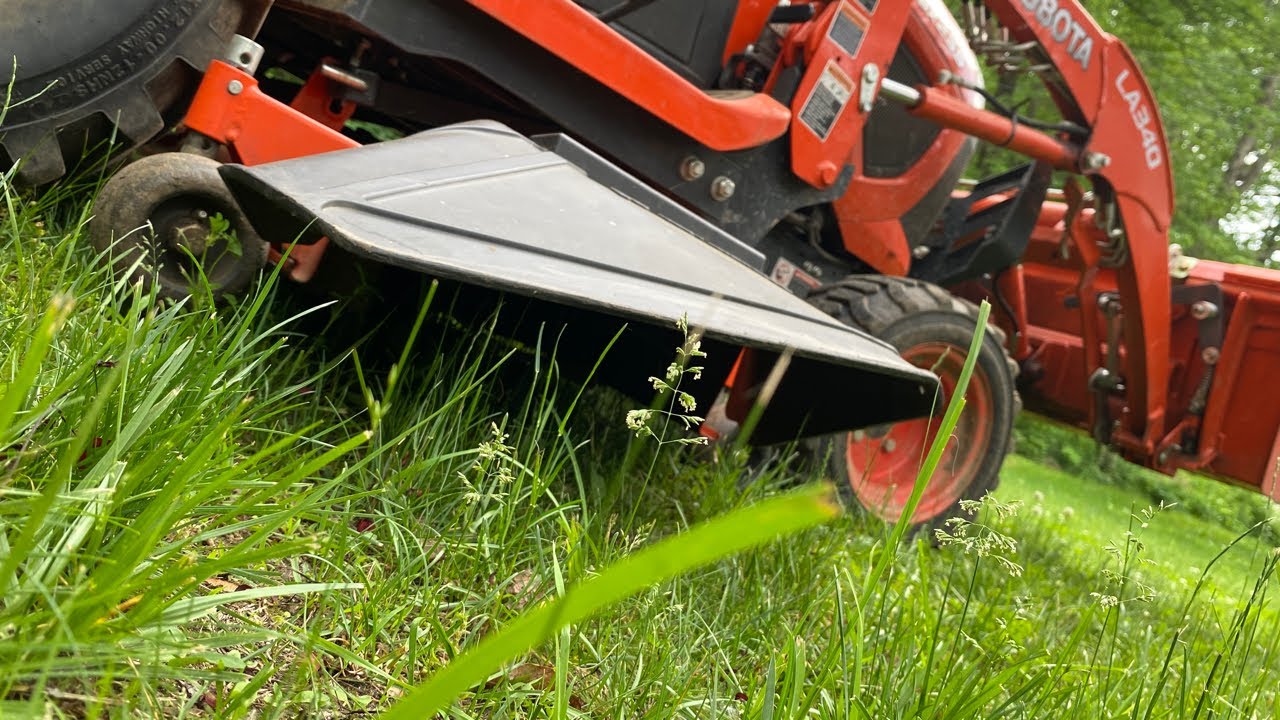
x=230 y=108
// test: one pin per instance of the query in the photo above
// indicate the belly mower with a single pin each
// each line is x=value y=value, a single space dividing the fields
x=541 y=218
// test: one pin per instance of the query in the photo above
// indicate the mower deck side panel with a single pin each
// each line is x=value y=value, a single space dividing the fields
x=483 y=205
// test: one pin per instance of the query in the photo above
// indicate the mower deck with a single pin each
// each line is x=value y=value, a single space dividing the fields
x=481 y=204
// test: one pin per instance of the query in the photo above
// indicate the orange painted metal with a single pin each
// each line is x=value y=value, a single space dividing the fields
x=1012 y=285
x=257 y=129
x=1126 y=157
x=1271 y=473
x=944 y=109
x=819 y=158
x=882 y=244
x=1242 y=418
x=1235 y=436
x=1072 y=257
x=317 y=101
x=1104 y=90
x=577 y=37
x=870 y=212
x=748 y=21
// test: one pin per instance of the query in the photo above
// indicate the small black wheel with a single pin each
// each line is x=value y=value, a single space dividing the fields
x=169 y=218
x=932 y=329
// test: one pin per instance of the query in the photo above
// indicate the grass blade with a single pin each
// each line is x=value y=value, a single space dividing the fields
x=703 y=544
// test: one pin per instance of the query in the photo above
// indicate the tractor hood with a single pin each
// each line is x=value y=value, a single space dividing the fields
x=592 y=249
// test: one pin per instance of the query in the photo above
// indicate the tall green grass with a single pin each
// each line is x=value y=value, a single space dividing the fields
x=206 y=514
x=140 y=464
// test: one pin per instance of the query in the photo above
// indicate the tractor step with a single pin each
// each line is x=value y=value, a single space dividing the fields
x=483 y=205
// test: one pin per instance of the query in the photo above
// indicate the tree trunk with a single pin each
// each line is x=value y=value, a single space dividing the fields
x=1248 y=159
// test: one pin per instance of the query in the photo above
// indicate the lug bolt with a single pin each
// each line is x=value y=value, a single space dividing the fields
x=692 y=168
x=1096 y=161
x=1203 y=310
x=722 y=189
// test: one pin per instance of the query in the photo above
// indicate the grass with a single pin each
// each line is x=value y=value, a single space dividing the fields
x=1180 y=544
x=207 y=513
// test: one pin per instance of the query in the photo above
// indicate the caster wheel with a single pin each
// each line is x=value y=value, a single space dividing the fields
x=170 y=221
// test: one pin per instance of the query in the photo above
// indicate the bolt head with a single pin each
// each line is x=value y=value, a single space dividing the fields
x=921 y=252
x=889 y=445
x=1203 y=310
x=692 y=168
x=235 y=87
x=722 y=189
x=1210 y=355
x=1096 y=160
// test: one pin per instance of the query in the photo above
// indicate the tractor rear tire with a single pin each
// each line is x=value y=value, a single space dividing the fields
x=157 y=220
x=875 y=468
x=90 y=72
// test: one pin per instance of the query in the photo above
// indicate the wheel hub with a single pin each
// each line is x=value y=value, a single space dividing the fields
x=191 y=234
x=883 y=461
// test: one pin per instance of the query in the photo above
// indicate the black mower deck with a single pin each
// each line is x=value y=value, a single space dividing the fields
x=481 y=204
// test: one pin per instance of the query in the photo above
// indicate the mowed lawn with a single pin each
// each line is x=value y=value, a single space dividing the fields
x=1093 y=515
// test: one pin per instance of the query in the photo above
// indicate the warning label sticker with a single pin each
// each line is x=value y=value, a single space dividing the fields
x=847 y=29
x=786 y=274
x=827 y=99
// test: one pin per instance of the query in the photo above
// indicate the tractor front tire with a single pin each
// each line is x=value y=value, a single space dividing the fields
x=82 y=73
x=169 y=221
x=876 y=467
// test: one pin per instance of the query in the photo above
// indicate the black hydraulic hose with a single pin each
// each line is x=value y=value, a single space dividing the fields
x=1004 y=305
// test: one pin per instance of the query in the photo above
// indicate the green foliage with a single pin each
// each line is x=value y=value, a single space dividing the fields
x=711 y=541
x=1235 y=509
x=135 y=469
x=699 y=546
x=1207 y=63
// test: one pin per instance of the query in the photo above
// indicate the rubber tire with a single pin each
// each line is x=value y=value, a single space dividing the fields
x=125 y=207
x=905 y=312
x=118 y=87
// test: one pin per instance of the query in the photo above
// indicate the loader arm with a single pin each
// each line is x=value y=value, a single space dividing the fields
x=1113 y=240
x=1097 y=83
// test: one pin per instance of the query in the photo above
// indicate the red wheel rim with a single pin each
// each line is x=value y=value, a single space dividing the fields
x=883 y=461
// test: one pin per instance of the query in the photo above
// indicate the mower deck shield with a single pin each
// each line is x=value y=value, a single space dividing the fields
x=481 y=204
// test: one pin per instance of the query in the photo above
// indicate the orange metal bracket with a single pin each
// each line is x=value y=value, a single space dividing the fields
x=231 y=109
x=577 y=37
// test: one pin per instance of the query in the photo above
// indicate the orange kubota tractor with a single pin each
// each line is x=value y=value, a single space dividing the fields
x=786 y=174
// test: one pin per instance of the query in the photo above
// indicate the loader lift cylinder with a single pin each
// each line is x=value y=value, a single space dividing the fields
x=948 y=112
